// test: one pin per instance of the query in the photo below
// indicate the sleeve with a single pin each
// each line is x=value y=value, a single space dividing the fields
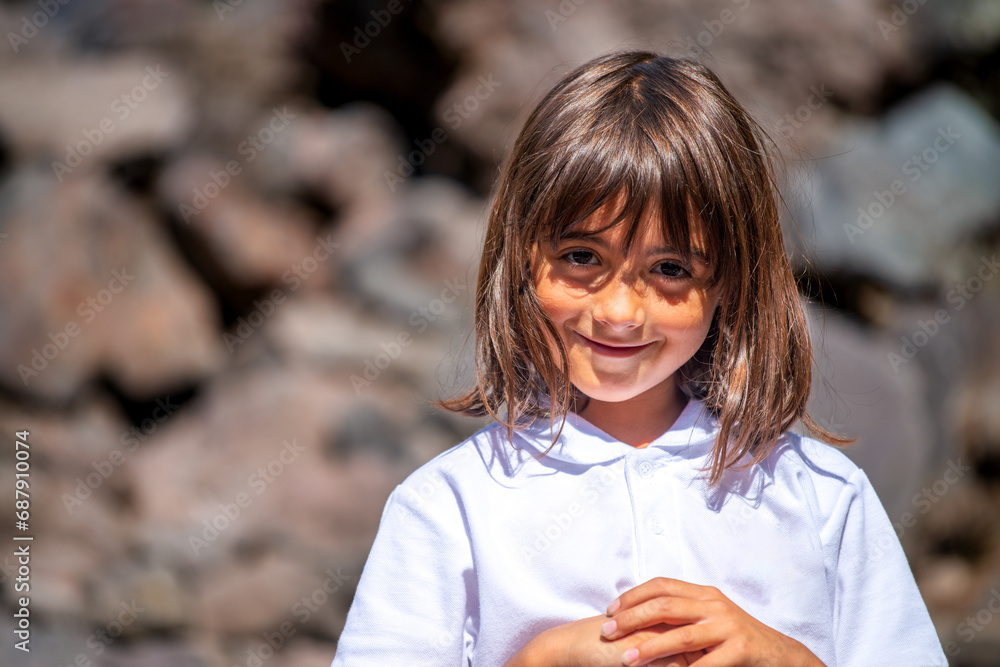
x=414 y=601
x=879 y=616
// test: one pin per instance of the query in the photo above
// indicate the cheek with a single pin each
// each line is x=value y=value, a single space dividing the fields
x=556 y=309
x=691 y=312
x=555 y=303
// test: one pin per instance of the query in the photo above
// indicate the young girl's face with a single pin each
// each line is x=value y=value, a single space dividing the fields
x=627 y=322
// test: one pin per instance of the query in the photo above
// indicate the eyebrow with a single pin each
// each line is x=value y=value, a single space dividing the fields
x=663 y=249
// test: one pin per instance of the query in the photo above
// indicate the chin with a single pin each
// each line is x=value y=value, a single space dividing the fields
x=609 y=394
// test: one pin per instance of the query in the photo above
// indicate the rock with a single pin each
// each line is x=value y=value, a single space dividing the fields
x=306 y=653
x=947 y=583
x=250 y=597
x=978 y=408
x=454 y=219
x=273 y=443
x=242 y=58
x=154 y=653
x=948 y=340
x=967 y=25
x=331 y=334
x=110 y=296
x=253 y=241
x=275 y=423
x=343 y=155
x=900 y=194
x=958 y=518
x=152 y=595
x=84 y=113
x=527 y=46
x=426 y=251
x=855 y=392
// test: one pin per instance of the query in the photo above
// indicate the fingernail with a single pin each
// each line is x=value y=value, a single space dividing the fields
x=630 y=656
x=613 y=607
x=609 y=628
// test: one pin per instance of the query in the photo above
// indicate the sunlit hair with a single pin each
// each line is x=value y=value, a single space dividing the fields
x=664 y=135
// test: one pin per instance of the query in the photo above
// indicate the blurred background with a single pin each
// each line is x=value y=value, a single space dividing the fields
x=238 y=248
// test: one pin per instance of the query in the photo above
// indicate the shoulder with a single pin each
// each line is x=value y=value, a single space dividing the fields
x=452 y=474
x=800 y=454
x=817 y=473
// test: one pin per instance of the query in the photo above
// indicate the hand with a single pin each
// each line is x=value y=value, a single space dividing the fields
x=703 y=619
x=579 y=644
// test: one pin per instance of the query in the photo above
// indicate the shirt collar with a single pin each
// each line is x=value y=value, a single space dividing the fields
x=692 y=434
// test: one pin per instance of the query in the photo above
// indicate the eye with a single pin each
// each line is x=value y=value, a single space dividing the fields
x=578 y=257
x=672 y=270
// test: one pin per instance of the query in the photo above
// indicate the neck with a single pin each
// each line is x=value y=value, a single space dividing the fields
x=639 y=420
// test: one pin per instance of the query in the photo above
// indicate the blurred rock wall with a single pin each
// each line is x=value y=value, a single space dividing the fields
x=238 y=244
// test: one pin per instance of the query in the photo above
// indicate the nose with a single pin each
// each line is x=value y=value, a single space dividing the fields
x=619 y=306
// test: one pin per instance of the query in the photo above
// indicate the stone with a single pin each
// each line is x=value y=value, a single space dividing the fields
x=855 y=392
x=900 y=194
x=112 y=295
x=252 y=240
x=84 y=113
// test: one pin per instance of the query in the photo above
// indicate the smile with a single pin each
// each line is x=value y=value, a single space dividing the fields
x=618 y=351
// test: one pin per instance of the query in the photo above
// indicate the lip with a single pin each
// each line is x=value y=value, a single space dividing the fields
x=617 y=351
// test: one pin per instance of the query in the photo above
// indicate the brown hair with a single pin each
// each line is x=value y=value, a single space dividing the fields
x=665 y=133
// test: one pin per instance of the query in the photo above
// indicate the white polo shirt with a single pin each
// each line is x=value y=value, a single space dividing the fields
x=482 y=547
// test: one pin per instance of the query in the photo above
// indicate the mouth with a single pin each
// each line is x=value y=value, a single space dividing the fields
x=613 y=350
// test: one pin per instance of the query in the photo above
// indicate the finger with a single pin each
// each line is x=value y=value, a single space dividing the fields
x=669 y=610
x=673 y=661
x=684 y=660
x=723 y=656
x=682 y=640
x=660 y=586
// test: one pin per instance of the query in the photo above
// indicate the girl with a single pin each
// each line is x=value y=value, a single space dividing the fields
x=643 y=501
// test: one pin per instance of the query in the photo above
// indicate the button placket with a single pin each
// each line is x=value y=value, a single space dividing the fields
x=654 y=524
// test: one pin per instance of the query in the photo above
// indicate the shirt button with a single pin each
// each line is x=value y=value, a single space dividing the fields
x=645 y=469
x=655 y=525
